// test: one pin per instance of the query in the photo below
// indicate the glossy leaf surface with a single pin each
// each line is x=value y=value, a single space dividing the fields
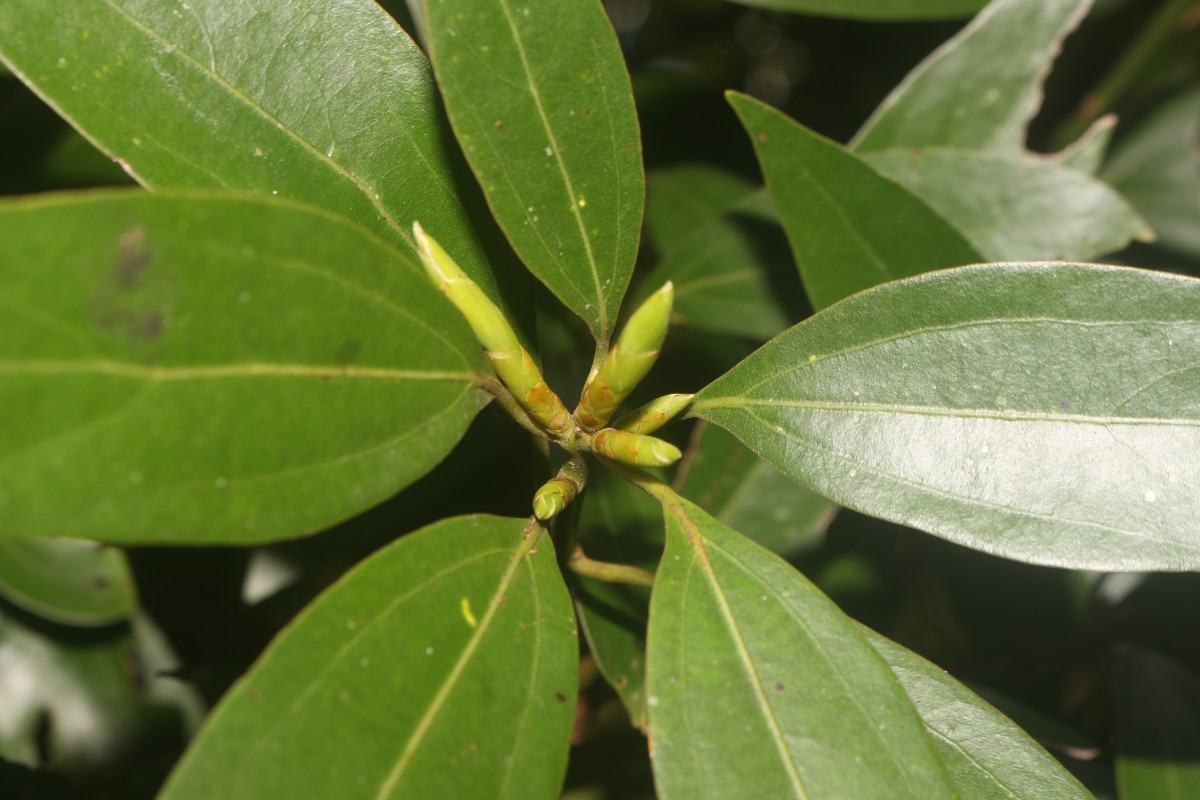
x=979 y=89
x=1042 y=412
x=443 y=666
x=722 y=475
x=196 y=368
x=874 y=9
x=758 y=686
x=1013 y=208
x=987 y=755
x=328 y=103
x=1157 y=727
x=67 y=580
x=831 y=204
x=552 y=137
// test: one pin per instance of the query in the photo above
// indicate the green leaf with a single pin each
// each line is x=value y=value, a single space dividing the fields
x=1042 y=412
x=682 y=199
x=196 y=368
x=552 y=136
x=1086 y=154
x=988 y=756
x=328 y=103
x=733 y=274
x=875 y=9
x=67 y=580
x=850 y=227
x=443 y=666
x=746 y=493
x=980 y=89
x=1013 y=208
x=760 y=687
x=1157 y=729
x=1158 y=168
x=719 y=241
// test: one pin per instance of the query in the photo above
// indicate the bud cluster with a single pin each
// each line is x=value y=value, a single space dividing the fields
x=608 y=385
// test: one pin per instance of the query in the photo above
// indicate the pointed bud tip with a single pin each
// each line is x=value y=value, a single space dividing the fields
x=664 y=453
x=547 y=506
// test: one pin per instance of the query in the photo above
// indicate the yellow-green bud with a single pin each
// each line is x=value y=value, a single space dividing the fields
x=512 y=362
x=558 y=492
x=655 y=414
x=634 y=448
x=628 y=361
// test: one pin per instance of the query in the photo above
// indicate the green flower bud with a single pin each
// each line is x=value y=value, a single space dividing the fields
x=655 y=414
x=512 y=362
x=634 y=448
x=558 y=492
x=628 y=361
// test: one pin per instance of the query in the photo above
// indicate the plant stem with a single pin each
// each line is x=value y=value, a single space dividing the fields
x=509 y=403
x=644 y=481
x=607 y=571
x=1129 y=68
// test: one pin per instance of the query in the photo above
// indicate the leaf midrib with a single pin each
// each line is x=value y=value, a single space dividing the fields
x=950 y=412
x=818 y=645
x=544 y=119
x=697 y=544
x=252 y=369
x=270 y=118
x=900 y=336
x=529 y=539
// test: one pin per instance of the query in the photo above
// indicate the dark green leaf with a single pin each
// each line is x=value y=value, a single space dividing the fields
x=987 y=755
x=758 y=686
x=1158 y=729
x=1158 y=169
x=849 y=226
x=443 y=666
x=1014 y=208
x=875 y=9
x=723 y=476
x=978 y=90
x=198 y=368
x=681 y=200
x=1043 y=412
x=328 y=103
x=539 y=97
x=734 y=274
x=67 y=580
